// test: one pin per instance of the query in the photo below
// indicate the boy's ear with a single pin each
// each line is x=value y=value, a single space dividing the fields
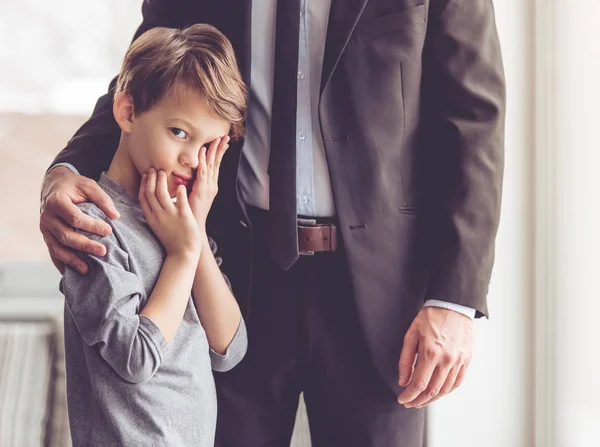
x=123 y=111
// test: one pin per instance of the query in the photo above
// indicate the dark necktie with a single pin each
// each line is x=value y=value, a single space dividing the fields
x=282 y=161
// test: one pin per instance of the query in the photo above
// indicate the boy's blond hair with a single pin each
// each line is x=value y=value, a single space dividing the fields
x=199 y=57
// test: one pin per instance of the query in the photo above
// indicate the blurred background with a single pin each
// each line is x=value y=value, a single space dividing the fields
x=535 y=377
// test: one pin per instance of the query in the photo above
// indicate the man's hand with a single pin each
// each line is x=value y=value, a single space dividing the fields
x=440 y=340
x=61 y=190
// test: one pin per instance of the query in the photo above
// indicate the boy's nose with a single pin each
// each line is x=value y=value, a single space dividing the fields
x=190 y=158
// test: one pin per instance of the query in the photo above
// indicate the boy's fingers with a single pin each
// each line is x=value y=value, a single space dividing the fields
x=222 y=149
x=99 y=197
x=219 y=157
x=142 y=197
x=151 y=191
x=162 y=191
x=182 y=200
x=202 y=169
x=212 y=152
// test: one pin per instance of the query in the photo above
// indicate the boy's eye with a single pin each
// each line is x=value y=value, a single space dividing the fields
x=179 y=133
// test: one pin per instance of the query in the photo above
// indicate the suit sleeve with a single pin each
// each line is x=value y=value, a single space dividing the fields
x=463 y=99
x=93 y=146
x=105 y=304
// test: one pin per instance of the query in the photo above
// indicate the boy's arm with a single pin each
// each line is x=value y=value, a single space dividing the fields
x=166 y=305
x=93 y=146
x=105 y=306
x=218 y=310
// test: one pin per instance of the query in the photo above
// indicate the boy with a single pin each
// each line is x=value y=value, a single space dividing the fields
x=139 y=348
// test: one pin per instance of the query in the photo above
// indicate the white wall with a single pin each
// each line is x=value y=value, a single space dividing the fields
x=494 y=407
x=577 y=357
x=58 y=56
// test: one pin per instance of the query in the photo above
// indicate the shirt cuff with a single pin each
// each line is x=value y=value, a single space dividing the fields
x=235 y=351
x=154 y=333
x=66 y=165
x=467 y=311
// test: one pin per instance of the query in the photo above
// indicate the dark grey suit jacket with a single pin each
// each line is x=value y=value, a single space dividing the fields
x=412 y=113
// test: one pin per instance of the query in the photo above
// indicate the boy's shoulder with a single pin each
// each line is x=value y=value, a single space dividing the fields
x=93 y=210
x=116 y=254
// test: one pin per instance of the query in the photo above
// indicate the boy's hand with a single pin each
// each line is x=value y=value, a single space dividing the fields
x=173 y=223
x=205 y=187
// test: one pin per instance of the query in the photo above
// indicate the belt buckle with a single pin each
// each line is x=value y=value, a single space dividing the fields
x=310 y=223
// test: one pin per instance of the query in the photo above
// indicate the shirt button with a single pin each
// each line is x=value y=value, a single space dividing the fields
x=305 y=200
x=300 y=75
x=302 y=135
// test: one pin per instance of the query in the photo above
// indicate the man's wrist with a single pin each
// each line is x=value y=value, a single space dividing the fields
x=68 y=166
x=465 y=310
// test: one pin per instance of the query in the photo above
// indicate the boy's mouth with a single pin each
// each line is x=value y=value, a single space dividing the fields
x=181 y=180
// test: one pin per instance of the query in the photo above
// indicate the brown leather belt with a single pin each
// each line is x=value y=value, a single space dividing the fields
x=316 y=237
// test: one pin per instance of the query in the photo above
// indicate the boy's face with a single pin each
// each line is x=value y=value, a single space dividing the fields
x=169 y=136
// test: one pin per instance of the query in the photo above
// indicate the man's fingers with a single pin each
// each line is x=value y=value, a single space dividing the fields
x=99 y=197
x=447 y=387
x=460 y=376
x=66 y=236
x=444 y=346
x=61 y=255
x=426 y=363
x=61 y=206
x=438 y=379
x=60 y=266
x=408 y=357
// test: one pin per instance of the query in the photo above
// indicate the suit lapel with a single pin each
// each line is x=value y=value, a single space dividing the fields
x=342 y=19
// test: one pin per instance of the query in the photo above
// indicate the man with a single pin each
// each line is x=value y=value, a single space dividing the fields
x=375 y=142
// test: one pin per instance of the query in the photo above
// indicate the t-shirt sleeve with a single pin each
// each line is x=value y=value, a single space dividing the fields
x=239 y=344
x=235 y=351
x=105 y=306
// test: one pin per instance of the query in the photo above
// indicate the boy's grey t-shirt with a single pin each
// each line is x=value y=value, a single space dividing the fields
x=125 y=385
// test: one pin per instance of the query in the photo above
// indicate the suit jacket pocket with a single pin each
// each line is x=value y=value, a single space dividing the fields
x=388 y=24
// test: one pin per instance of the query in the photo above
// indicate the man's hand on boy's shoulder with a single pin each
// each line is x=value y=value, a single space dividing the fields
x=205 y=187
x=62 y=189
